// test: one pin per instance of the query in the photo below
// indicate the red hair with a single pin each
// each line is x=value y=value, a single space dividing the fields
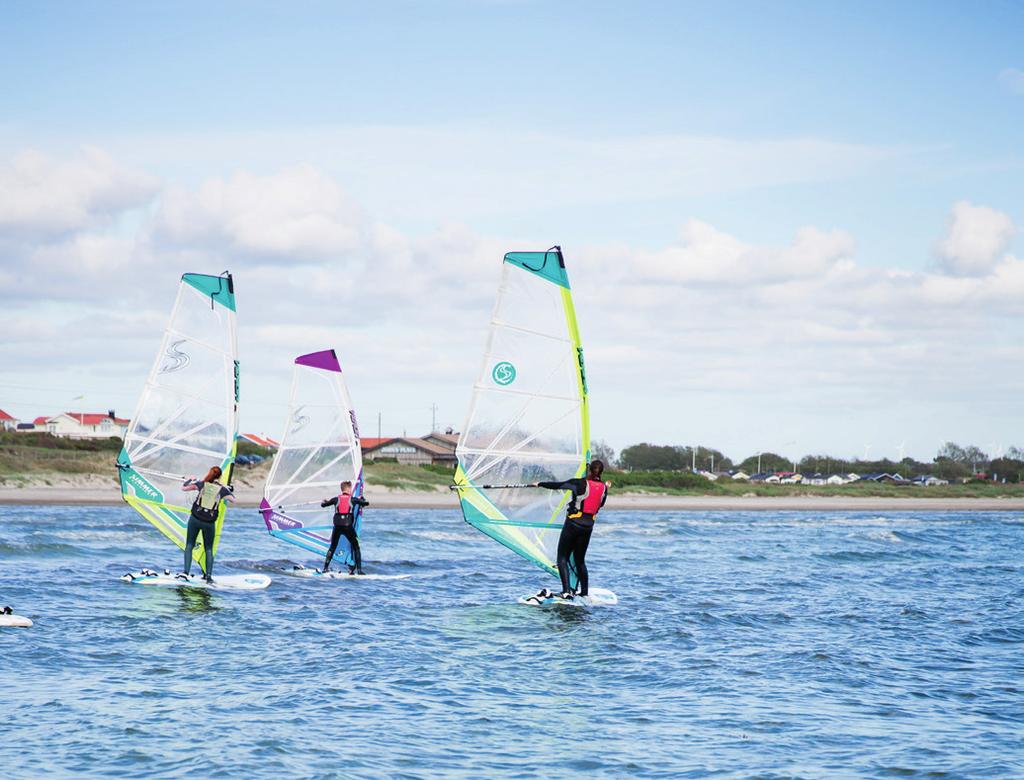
x=213 y=474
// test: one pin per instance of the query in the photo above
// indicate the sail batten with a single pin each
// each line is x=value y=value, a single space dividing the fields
x=318 y=451
x=186 y=420
x=528 y=420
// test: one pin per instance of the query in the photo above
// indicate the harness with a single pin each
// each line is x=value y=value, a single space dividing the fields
x=344 y=504
x=591 y=503
x=207 y=502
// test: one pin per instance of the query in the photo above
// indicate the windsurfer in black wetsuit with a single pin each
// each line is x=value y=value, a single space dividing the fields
x=205 y=511
x=588 y=496
x=344 y=525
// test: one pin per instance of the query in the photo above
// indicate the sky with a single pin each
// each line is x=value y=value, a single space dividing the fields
x=789 y=227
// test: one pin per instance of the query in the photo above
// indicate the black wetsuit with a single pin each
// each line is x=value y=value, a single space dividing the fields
x=208 y=528
x=344 y=525
x=575 y=536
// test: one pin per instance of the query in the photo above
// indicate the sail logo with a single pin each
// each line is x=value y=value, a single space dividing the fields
x=236 y=381
x=503 y=373
x=143 y=487
x=283 y=522
x=177 y=359
x=583 y=370
x=299 y=420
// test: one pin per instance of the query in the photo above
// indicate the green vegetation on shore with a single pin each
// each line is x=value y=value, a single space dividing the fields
x=40 y=457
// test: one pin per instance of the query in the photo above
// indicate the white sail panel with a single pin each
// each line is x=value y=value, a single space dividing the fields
x=528 y=420
x=187 y=417
x=319 y=450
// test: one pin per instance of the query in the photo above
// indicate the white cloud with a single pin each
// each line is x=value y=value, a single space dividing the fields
x=1012 y=80
x=976 y=237
x=42 y=198
x=710 y=331
x=296 y=215
x=431 y=174
x=708 y=255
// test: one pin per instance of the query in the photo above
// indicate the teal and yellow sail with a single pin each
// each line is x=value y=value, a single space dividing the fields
x=528 y=420
x=187 y=418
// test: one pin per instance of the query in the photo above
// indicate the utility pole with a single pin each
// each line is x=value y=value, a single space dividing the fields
x=378 y=427
x=693 y=460
x=433 y=417
x=759 y=463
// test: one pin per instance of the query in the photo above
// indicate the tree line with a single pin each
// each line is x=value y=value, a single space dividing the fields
x=952 y=462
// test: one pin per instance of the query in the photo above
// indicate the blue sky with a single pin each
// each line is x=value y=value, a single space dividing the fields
x=606 y=127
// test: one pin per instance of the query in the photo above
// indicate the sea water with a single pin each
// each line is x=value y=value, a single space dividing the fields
x=770 y=644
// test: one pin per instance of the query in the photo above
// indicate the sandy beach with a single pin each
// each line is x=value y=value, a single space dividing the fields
x=91 y=492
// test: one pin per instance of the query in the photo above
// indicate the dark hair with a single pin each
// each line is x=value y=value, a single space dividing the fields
x=595 y=469
x=213 y=474
x=346 y=484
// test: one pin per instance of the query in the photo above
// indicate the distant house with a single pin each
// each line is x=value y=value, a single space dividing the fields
x=927 y=480
x=446 y=439
x=259 y=441
x=409 y=451
x=708 y=475
x=84 y=425
x=895 y=479
x=7 y=423
x=740 y=475
x=36 y=426
x=853 y=476
x=836 y=479
x=763 y=477
x=813 y=479
x=789 y=477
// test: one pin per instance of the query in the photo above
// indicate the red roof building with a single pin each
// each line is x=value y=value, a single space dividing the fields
x=87 y=418
x=372 y=443
x=259 y=441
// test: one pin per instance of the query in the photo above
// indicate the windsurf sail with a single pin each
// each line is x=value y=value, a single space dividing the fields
x=319 y=450
x=528 y=419
x=187 y=418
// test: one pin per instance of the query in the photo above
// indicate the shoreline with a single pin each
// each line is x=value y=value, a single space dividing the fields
x=249 y=498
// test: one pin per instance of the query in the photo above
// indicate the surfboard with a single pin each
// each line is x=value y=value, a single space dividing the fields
x=597 y=597
x=10 y=620
x=247 y=581
x=305 y=572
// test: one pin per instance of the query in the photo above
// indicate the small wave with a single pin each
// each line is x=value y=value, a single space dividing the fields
x=443 y=536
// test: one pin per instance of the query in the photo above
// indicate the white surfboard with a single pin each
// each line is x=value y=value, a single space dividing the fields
x=14 y=621
x=597 y=597
x=247 y=581
x=303 y=571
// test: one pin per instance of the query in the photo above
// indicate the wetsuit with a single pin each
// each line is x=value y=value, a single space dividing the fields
x=204 y=519
x=344 y=525
x=579 y=525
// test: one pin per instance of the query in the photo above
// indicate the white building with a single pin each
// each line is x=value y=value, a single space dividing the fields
x=84 y=425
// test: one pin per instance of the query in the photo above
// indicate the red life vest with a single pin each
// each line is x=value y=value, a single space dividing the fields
x=344 y=504
x=592 y=501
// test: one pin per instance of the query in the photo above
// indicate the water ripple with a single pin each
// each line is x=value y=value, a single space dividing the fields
x=762 y=644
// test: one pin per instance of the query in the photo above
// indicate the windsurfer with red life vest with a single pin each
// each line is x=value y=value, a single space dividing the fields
x=344 y=525
x=588 y=496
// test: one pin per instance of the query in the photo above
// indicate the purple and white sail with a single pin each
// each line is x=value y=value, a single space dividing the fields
x=319 y=450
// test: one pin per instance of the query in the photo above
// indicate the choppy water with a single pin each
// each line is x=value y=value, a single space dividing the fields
x=745 y=644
